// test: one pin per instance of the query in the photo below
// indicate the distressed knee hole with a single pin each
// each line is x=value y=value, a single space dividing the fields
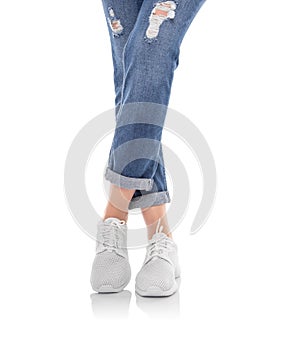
x=160 y=13
x=115 y=23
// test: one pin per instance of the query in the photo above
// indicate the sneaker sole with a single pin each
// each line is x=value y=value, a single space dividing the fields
x=154 y=291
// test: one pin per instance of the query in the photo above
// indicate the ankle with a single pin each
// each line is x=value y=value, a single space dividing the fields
x=112 y=212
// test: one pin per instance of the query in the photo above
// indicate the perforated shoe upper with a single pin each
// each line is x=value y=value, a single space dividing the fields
x=111 y=270
x=161 y=266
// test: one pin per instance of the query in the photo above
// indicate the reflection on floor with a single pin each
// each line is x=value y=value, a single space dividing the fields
x=111 y=305
x=116 y=305
x=164 y=307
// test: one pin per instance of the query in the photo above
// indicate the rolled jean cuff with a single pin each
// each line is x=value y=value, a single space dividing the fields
x=150 y=200
x=130 y=183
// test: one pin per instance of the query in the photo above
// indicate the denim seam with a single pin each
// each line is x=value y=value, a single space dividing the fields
x=128 y=182
x=150 y=199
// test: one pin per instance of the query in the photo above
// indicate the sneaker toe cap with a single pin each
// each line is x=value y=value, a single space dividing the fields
x=110 y=270
x=158 y=274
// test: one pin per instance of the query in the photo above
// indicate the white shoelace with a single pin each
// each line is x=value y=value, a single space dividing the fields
x=110 y=234
x=159 y=247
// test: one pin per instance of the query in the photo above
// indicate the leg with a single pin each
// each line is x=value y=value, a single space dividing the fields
x=150 y=57
x=120 y=17
x=152 y=215
x=118 y=203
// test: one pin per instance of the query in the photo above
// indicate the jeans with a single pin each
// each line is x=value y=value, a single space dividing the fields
x=145 y=38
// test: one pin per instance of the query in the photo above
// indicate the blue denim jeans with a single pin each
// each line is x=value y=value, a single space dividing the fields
x=145 y=38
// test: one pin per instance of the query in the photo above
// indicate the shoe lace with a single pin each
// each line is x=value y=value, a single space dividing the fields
x=110 y=234
x=159 y=246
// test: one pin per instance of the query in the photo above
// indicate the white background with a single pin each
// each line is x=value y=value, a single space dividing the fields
x=56 y=75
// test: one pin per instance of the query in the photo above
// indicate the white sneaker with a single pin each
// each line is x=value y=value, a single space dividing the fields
x=111 y=270
x=160 y=271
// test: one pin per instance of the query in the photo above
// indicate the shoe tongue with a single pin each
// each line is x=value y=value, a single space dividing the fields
x=158 y=235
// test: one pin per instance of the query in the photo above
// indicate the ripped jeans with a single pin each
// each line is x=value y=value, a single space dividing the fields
x=145 y=38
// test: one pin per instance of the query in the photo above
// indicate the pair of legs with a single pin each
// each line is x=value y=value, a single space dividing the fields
x=118 y=204
x=145 y=40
